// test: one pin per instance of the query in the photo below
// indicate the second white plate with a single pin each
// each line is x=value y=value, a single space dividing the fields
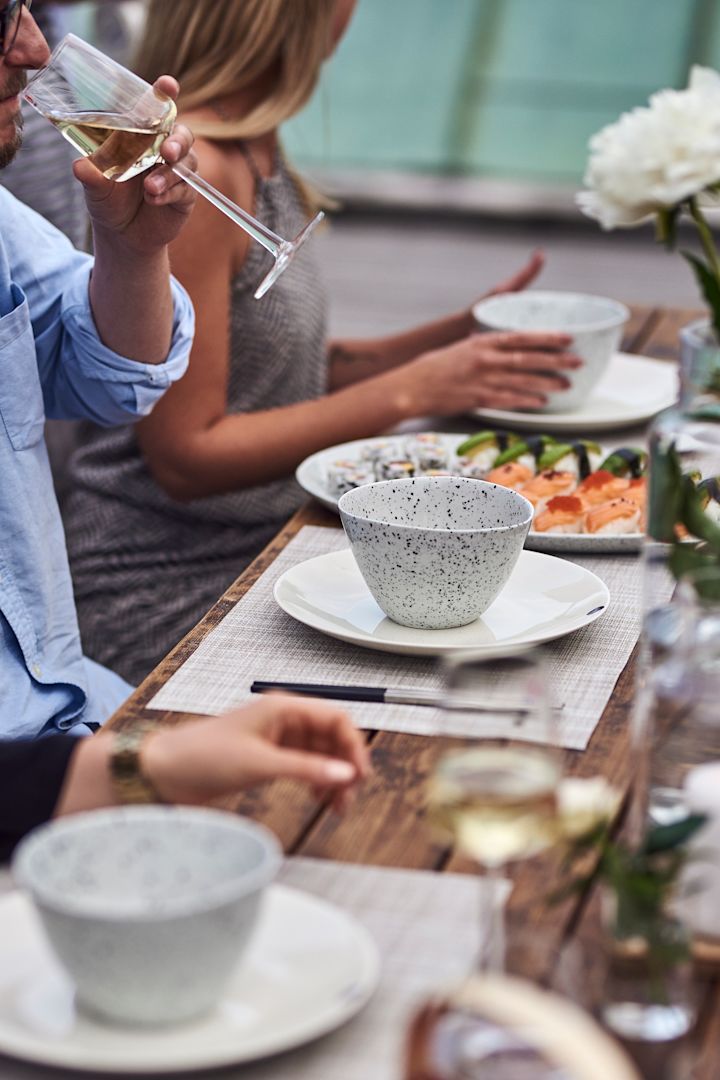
x=308 y=969
x=631 y=392
x=545 y=598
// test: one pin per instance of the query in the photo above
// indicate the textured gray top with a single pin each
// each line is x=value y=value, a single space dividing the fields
x=147 y=568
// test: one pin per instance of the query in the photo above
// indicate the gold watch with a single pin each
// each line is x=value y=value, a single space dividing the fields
x=129 y=782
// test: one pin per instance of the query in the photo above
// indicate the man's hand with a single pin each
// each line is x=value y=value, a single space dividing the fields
x=144 y=214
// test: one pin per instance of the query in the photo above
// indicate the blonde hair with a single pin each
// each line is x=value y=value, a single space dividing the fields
x=216 y=49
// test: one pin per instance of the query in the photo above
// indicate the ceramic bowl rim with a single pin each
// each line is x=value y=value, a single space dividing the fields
x=110 y=910
x=622 y=312
x=481 y=530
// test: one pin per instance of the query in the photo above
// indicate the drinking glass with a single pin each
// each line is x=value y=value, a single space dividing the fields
x=498 y=800
x=119 y=122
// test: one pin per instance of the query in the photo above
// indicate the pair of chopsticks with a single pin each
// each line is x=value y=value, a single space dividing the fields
x=388 y=695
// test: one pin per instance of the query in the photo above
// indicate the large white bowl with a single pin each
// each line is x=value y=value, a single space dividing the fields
x=148 y=907
x=435 y=551
x=595 y=322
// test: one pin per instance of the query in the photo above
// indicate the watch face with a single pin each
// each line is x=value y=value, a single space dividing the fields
x=129 y=783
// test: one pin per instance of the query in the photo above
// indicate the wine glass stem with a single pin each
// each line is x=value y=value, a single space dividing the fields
x=491 y=955
x=269 y=240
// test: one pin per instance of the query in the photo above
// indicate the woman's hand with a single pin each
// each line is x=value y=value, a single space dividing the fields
x=492 y=371
x=147 y=212
x=522 y=278
x=277 y=736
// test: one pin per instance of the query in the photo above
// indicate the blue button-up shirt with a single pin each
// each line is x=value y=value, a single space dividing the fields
x=52 y=363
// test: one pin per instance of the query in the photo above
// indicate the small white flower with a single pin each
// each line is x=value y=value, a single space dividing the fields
x=653 y=158
x=583 y=804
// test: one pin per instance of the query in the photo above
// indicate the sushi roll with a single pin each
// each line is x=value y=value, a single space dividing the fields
x=343 y=476
x=563 y=514
x=546 y=485
x=428 y=451
x=513 y=475
x=601 y=486
x=400 y=469
x=616 y=516
x=626 y=461
x=580 y=458
x=478 y=453
x=378 y=450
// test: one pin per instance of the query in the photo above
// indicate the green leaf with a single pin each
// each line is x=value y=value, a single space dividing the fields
x=709 y=285
x=668 y=837
x=666 y=495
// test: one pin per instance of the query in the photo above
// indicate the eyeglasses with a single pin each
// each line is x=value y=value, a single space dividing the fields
x=10 y=23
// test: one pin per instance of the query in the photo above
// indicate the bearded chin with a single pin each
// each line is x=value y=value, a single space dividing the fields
x=9 y=149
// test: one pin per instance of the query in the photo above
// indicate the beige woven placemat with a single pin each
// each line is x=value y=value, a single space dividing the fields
x=426 y=927
x=256 y=640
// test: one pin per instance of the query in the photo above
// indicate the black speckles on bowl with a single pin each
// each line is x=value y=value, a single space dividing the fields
x=435 y=551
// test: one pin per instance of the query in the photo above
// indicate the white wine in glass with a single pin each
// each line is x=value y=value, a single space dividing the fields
x=499 y=803
x=116 y=149
x=119 y=122
x=498 y=800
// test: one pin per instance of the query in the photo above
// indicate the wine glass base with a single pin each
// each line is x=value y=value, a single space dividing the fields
x=286 y=254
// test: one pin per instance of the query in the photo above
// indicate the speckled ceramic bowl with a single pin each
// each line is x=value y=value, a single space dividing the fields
x=596 y=325
x=435 y=551
x=148 y=907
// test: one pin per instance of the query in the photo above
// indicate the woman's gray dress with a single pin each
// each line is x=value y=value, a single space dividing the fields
x=147 y=568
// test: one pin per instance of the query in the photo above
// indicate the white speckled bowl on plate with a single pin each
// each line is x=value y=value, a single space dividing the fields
x=595 y=322
x=148 y=907
x=435 y=551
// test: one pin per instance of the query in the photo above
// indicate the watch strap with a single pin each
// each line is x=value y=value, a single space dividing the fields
x=129 y=782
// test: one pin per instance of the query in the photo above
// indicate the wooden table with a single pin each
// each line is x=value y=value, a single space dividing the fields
x=386 y=825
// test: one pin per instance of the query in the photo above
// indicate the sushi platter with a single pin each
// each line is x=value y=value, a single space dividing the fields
x=587 y=497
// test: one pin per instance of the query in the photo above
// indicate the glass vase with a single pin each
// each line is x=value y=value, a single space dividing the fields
x=683 y=521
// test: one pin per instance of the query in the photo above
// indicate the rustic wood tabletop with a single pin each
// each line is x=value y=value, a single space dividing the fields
x=386 y=825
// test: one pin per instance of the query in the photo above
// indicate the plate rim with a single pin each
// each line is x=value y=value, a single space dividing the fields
x=430 y=650
x=563 y=422
x=346 y=1007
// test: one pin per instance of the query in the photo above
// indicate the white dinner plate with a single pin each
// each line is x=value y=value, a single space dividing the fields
x=312 y=477
x=544 y=598
x=308 y=969
x=632 y=391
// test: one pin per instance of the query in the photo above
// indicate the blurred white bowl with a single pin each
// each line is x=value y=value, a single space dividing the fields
x=595 y=322
x=435 y=551
x=148 y=907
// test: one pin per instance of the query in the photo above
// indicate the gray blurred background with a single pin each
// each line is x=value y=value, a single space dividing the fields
x=455 y=134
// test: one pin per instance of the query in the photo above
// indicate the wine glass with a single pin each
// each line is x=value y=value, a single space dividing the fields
x=119 y=122
x=498 y=800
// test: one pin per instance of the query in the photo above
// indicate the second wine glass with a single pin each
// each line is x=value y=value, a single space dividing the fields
x=498 y=800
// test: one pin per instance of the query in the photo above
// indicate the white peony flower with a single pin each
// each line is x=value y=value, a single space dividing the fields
x=655 y=157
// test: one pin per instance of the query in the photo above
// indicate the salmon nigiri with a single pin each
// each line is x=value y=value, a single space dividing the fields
x=563 y=514
x=546 y=485
x=602 y=486
x=512 y=475
x=616 y=516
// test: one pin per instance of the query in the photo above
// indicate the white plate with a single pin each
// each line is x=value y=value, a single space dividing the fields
x=309 y=968
x=632 y=391
x=311 y=475
x=545 y=598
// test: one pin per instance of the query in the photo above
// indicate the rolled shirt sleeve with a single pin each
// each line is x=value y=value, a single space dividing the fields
x=80 y=377
x=92 y=381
